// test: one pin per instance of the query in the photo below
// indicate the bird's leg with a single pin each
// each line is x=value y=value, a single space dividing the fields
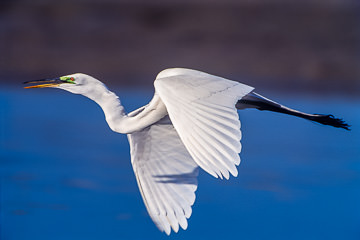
x=254 y=100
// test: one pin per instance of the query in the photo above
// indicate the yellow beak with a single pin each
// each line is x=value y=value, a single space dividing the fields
x=44 y=83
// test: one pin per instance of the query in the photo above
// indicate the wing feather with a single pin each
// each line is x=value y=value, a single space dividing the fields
x=166 y=175
x=202 y=109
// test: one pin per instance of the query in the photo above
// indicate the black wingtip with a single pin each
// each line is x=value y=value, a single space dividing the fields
x=331 y=120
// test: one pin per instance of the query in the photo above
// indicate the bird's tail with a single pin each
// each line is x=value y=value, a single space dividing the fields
x=254 y=100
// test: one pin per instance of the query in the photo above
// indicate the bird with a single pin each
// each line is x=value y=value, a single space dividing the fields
x=191 y=123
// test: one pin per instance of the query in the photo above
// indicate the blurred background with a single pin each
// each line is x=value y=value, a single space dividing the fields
x=65 y=175
x=313 y=43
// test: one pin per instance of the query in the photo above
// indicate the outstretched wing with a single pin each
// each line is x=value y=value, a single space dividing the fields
x=166 y=174
x=202 y=109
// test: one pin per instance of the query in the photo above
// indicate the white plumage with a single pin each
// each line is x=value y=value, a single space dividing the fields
x=204 y=131
x=191 y=122
x=202 y=128
x=166 y=174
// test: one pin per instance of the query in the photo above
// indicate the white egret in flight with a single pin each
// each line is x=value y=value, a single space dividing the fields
x=191 y=122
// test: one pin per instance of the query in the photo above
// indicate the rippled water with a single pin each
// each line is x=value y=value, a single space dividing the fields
x=66 y=175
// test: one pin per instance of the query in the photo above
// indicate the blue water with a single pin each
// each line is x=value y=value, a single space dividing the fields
x=66 y=175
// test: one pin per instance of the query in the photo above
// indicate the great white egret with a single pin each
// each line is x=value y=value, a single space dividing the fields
x=191 y=122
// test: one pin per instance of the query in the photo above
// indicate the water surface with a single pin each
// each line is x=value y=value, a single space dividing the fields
x=66 y=175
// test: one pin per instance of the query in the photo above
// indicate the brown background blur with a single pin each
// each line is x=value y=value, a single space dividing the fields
x=301 y=45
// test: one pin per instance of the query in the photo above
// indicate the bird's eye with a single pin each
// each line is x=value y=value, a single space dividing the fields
x=68 y=79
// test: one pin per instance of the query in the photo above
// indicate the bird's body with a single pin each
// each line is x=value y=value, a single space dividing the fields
x=191 y=122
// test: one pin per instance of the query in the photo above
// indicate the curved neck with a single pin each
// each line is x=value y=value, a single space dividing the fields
x=112 y=108
x=115 y=114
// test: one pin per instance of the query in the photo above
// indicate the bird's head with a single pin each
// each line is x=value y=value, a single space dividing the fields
x=77 y=83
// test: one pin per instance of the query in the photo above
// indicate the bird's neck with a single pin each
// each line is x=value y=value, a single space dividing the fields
x=115 y=114
x=111 y=106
